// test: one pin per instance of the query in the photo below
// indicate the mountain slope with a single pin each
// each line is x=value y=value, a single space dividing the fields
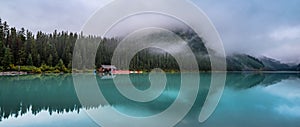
x=243 y=62
x=274 y=65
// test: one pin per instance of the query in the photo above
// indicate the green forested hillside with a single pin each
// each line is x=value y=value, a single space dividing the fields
x=21 y=47
x=272 y=64
x=243 y=62
x=53 y=52
x=22 y=50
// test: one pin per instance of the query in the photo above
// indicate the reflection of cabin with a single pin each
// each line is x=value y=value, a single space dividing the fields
x=107 y=68
x=107 y=76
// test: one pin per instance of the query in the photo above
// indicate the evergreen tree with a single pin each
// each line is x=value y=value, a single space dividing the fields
x=61 y=66
x=29 y=60
x=2 y=49
x=38 y=62
x=1 y=31
x=22 y=56
x=50 y=60
x=34 y=53
x=6 y=33
x=7 y=59
x=28 y=42
x=55 y=58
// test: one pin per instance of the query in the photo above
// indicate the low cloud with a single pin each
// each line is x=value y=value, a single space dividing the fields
x=287 y=33
x=48 y=15
x=255 y=27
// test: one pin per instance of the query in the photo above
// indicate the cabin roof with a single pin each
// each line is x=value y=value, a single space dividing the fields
x=109 y=66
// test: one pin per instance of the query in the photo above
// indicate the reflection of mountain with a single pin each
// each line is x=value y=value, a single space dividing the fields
x=34 y=93
x=248 y=80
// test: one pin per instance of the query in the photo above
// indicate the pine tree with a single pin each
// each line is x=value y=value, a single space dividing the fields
x=34 y=53
x=7 y=59
x=55 y=58
x=38 y=62
x=61 y=66
x=1 y=52
x=1 y=31
x=50 y=60
x=28 y=42
x=29 y=60
x=6 y=33
x=22 y=56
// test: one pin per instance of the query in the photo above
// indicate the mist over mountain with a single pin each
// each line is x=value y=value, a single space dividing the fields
x=236 y=61
x=239 y=61
x=245 y=62
x=53 y=52
x=272 y=64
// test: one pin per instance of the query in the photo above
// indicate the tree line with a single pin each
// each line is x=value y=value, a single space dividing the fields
x=21 y=50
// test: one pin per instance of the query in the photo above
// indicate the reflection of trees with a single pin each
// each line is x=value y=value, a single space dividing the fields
x=56 y=93
x=141 y=82
x=35 y=93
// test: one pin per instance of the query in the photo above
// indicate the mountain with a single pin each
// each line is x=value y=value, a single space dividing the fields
x=195 y=42
x=235 y=62
x=243 y=62
x=275 y=65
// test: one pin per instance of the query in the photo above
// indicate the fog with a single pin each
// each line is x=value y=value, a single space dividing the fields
x=260 y=28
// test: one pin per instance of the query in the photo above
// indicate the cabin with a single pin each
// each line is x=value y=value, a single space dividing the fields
x=111 y=69
x=107 y=68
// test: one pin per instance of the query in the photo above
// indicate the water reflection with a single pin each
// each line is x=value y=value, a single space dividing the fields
x=35 y=93
x=256 y=95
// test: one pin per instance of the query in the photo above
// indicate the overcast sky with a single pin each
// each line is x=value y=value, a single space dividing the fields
x=257 y=27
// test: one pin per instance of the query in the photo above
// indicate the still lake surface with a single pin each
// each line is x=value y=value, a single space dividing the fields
x=248 y=100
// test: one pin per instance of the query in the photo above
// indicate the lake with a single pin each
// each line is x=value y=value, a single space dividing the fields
x=248 y=100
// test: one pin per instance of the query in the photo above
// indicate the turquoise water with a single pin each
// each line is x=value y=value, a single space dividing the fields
x=248 y=100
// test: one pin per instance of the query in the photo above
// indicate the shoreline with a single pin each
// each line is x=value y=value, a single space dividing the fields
x=14 y=73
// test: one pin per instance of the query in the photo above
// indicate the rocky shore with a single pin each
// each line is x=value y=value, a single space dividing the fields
x=13 y=73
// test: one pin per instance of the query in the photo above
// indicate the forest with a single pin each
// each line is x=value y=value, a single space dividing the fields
x=22 y=50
